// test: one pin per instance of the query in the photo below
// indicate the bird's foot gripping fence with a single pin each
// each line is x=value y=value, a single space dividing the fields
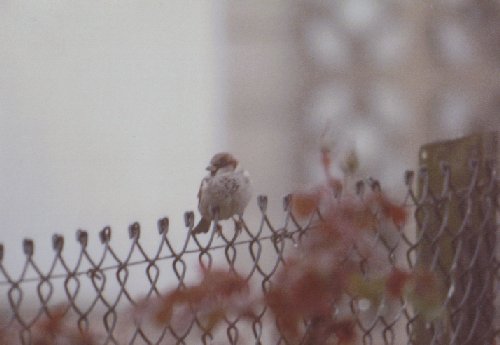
x=339 y=268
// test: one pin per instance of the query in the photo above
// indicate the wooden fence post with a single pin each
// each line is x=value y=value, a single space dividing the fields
x=456 y=233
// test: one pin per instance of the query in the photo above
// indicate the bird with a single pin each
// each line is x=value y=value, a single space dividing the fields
x=224 y=192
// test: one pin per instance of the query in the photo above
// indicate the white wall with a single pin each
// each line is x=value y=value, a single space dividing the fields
x=107 y=113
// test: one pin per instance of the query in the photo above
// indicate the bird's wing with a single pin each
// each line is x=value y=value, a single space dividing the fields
x=203 y=184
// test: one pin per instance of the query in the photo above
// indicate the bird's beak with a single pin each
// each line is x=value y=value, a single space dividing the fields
x=212 y=169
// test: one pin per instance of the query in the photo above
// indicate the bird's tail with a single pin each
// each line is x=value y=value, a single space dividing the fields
x=203 y=226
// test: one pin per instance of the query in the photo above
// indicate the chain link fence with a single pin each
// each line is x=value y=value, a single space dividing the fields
x=453 y=233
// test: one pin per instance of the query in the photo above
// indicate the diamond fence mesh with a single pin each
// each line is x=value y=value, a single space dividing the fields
x=453 y=233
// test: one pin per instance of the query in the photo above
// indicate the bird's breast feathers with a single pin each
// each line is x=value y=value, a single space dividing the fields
x=229 y=192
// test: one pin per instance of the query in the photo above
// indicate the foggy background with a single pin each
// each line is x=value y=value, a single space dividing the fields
x=109 y=111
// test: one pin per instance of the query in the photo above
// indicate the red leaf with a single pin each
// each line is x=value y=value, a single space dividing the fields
x=396 y=213
x=344 y=331
x=54 y=324
x=304 y=204
x=396 y=282
x=208 y=296
x=323 y=327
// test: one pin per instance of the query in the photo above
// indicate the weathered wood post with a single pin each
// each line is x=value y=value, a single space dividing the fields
x=456 y=233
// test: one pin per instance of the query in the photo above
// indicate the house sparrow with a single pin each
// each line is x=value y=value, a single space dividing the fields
x=225 y=191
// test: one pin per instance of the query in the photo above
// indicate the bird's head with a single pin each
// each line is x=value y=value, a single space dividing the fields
x=222 y=162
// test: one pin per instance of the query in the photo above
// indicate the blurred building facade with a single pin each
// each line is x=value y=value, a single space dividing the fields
x=379 y=77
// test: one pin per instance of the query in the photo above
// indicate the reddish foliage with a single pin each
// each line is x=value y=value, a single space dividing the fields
x=396 y=281
x=321 y=329
x=6 y=337
x=396 y=213
x=304 y=204
x=344 y=331
x=323 y=268
x=52 y=326
x=209 y=297
x=303 y=291
x=56 y=329
x=332 y=260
